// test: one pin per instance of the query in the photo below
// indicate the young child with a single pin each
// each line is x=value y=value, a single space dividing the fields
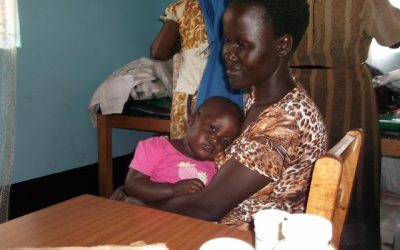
x=163 y=168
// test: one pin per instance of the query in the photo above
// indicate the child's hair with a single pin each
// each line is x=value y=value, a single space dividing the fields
x=287 y=16
x=227 y=103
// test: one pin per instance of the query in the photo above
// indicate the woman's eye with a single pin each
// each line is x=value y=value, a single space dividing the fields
x=242 y=45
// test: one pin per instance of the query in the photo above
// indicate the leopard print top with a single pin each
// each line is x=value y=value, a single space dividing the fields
x=282 y=144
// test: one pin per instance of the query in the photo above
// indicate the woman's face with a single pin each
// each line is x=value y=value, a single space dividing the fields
x=250 y=48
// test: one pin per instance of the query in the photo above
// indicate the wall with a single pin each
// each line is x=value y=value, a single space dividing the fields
x=68 y=48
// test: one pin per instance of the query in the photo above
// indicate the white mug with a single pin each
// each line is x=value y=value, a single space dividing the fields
x=226 y=243
x=267 y=228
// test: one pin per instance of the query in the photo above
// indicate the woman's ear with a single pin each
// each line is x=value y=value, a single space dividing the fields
x=285 y=45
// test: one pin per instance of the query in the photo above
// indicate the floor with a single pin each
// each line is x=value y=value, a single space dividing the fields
x=390 y=203
x=390 y=220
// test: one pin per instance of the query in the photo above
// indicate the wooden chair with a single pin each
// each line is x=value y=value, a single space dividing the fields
x=105 y=123
x=332 y=181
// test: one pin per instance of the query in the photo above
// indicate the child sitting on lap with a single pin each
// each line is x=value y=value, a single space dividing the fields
x=163 y=168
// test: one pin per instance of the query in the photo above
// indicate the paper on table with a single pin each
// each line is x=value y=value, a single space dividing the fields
x=139 y=245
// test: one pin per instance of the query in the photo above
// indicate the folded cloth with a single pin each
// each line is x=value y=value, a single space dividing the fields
x=140 y=245
x=141 y=79
x=389 y=77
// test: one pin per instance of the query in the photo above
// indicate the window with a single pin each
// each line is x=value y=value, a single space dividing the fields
x=395 y=3
x=9 y=25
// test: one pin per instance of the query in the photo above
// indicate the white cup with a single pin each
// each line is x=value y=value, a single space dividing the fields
x=226 y=243
x=267 y=228
x=316 y=237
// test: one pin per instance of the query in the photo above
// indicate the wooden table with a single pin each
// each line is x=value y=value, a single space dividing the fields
x=90 y=221
x=390 y=147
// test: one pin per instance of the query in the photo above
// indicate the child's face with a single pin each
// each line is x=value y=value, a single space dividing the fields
x=212 y=130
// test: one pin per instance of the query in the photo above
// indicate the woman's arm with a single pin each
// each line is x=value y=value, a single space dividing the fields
x=232 y=184
x=166 y=43
x=140 y=186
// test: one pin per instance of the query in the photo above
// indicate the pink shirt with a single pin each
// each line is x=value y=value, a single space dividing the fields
x=157 y=158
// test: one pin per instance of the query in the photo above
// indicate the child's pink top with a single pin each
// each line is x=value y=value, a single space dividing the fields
x=157 y=158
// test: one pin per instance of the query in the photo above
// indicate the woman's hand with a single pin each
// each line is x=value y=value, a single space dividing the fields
x=232 y=184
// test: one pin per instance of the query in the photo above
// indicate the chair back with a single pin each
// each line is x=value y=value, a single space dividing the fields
x=332 y=182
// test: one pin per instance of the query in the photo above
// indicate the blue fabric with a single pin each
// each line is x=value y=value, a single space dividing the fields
x=214 y=81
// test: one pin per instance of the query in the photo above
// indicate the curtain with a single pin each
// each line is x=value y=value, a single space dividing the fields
x=8 y=42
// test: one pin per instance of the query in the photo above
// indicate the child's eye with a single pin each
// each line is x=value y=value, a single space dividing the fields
x=226 y=143
x=213 y=128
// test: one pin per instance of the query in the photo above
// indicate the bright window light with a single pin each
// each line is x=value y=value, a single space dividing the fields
x=395 y=3
x=9 y=24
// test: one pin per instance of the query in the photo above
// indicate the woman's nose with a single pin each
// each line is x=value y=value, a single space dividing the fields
x=228 y=53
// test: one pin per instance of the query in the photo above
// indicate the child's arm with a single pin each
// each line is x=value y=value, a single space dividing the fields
x=140 y=186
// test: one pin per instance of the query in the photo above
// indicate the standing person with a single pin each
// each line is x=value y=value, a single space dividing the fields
x=329 y=62
x=163 y=168
x=269 y=165
x=193 y=28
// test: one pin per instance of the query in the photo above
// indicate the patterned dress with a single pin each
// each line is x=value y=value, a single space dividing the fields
x=282 y=144
x=189 y=64
x=338 y=39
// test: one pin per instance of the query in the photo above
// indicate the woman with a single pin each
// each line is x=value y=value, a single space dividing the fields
x=269 y=165
x=329 y=61
x=195 y=25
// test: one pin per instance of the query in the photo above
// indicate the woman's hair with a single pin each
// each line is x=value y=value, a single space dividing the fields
x=287 y=16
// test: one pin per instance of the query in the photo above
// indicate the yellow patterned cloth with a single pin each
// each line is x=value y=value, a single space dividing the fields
x=193 y=35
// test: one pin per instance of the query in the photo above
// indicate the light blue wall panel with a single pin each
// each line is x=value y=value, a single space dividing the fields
x=68 y=48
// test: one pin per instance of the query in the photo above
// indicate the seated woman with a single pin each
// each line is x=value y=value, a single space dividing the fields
x=269 y=165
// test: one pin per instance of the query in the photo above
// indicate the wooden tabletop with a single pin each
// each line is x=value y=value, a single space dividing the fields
x=90 y=221
x=390 y=147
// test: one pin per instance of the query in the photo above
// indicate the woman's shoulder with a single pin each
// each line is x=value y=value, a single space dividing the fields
x=299 y=99
x=299 y=107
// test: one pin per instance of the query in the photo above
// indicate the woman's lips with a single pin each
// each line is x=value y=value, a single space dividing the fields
x=232 y=71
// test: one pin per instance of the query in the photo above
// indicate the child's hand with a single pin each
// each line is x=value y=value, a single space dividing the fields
x=188 y=186
x=118 y=194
